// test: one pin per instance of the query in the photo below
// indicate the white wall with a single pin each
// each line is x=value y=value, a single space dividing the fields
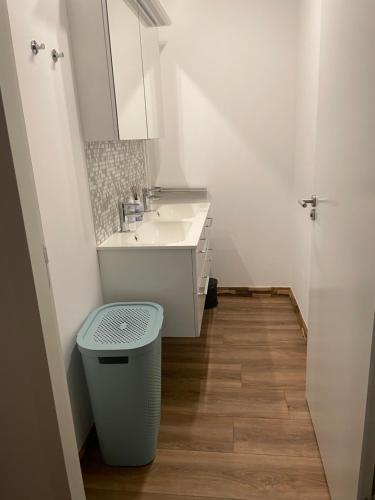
x=31 y=427
x=307 y=104
x=57 y=156
x=229 y=79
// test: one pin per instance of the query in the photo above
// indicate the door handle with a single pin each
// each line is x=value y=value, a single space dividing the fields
x=310 y=201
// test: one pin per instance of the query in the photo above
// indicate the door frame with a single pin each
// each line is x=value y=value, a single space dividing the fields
x=366 y=488
x=26 y=200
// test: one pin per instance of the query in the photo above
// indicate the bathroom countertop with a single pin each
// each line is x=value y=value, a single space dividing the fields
x=168 y=226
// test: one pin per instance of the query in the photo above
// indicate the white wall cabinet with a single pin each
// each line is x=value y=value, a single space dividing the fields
x=117 y=68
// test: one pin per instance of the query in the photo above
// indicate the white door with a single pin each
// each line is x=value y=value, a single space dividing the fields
x=343 y=256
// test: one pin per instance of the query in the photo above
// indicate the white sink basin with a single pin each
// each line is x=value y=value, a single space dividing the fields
x=178 y=211
x=162 y=233
x=171 y=226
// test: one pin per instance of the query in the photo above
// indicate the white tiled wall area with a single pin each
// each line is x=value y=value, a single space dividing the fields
x=114 y=167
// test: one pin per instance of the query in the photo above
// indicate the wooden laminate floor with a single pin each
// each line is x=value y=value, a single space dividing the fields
x=235 y=424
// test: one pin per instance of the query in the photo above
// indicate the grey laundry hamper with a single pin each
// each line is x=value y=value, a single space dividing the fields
x=121 y=350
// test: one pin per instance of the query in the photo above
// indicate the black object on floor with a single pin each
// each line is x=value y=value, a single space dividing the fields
x=211 y=299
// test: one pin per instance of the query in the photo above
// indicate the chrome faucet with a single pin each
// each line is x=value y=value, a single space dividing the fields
x=125 y=212
x=149 y=194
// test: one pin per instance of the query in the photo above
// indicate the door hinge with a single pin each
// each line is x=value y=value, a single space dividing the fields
x=46 y=260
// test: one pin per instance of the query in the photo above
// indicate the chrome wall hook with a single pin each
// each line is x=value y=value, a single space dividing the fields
x=36 y=47
x=56 y=55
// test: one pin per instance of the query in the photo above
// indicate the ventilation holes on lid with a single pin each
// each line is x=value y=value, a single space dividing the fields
x=122 y=326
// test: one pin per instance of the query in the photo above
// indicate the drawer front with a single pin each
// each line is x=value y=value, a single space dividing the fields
x=202 y=250
x=201 y=300
x=201 y=255
x=206 y=266
x=206 y=231
x=207 y=227
x=204 y=257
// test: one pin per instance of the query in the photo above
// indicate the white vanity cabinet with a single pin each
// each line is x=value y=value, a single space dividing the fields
x=117 y=70
x=176 y=278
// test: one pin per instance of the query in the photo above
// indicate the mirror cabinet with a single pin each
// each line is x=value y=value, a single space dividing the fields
x=117 y=68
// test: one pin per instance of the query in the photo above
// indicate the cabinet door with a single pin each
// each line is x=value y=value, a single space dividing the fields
x=152 y=80
x=127 y=69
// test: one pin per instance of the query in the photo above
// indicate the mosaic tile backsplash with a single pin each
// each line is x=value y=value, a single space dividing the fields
x=113 y=169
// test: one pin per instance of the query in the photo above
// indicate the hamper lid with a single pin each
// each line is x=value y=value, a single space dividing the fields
x=122 y=326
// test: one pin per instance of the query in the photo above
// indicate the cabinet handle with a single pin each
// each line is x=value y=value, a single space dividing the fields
x=208 y=251
x=206 y=245
x=209 y=222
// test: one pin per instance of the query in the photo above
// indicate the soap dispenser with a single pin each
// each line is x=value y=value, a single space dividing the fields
x=138 y=206
x=131 y=209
